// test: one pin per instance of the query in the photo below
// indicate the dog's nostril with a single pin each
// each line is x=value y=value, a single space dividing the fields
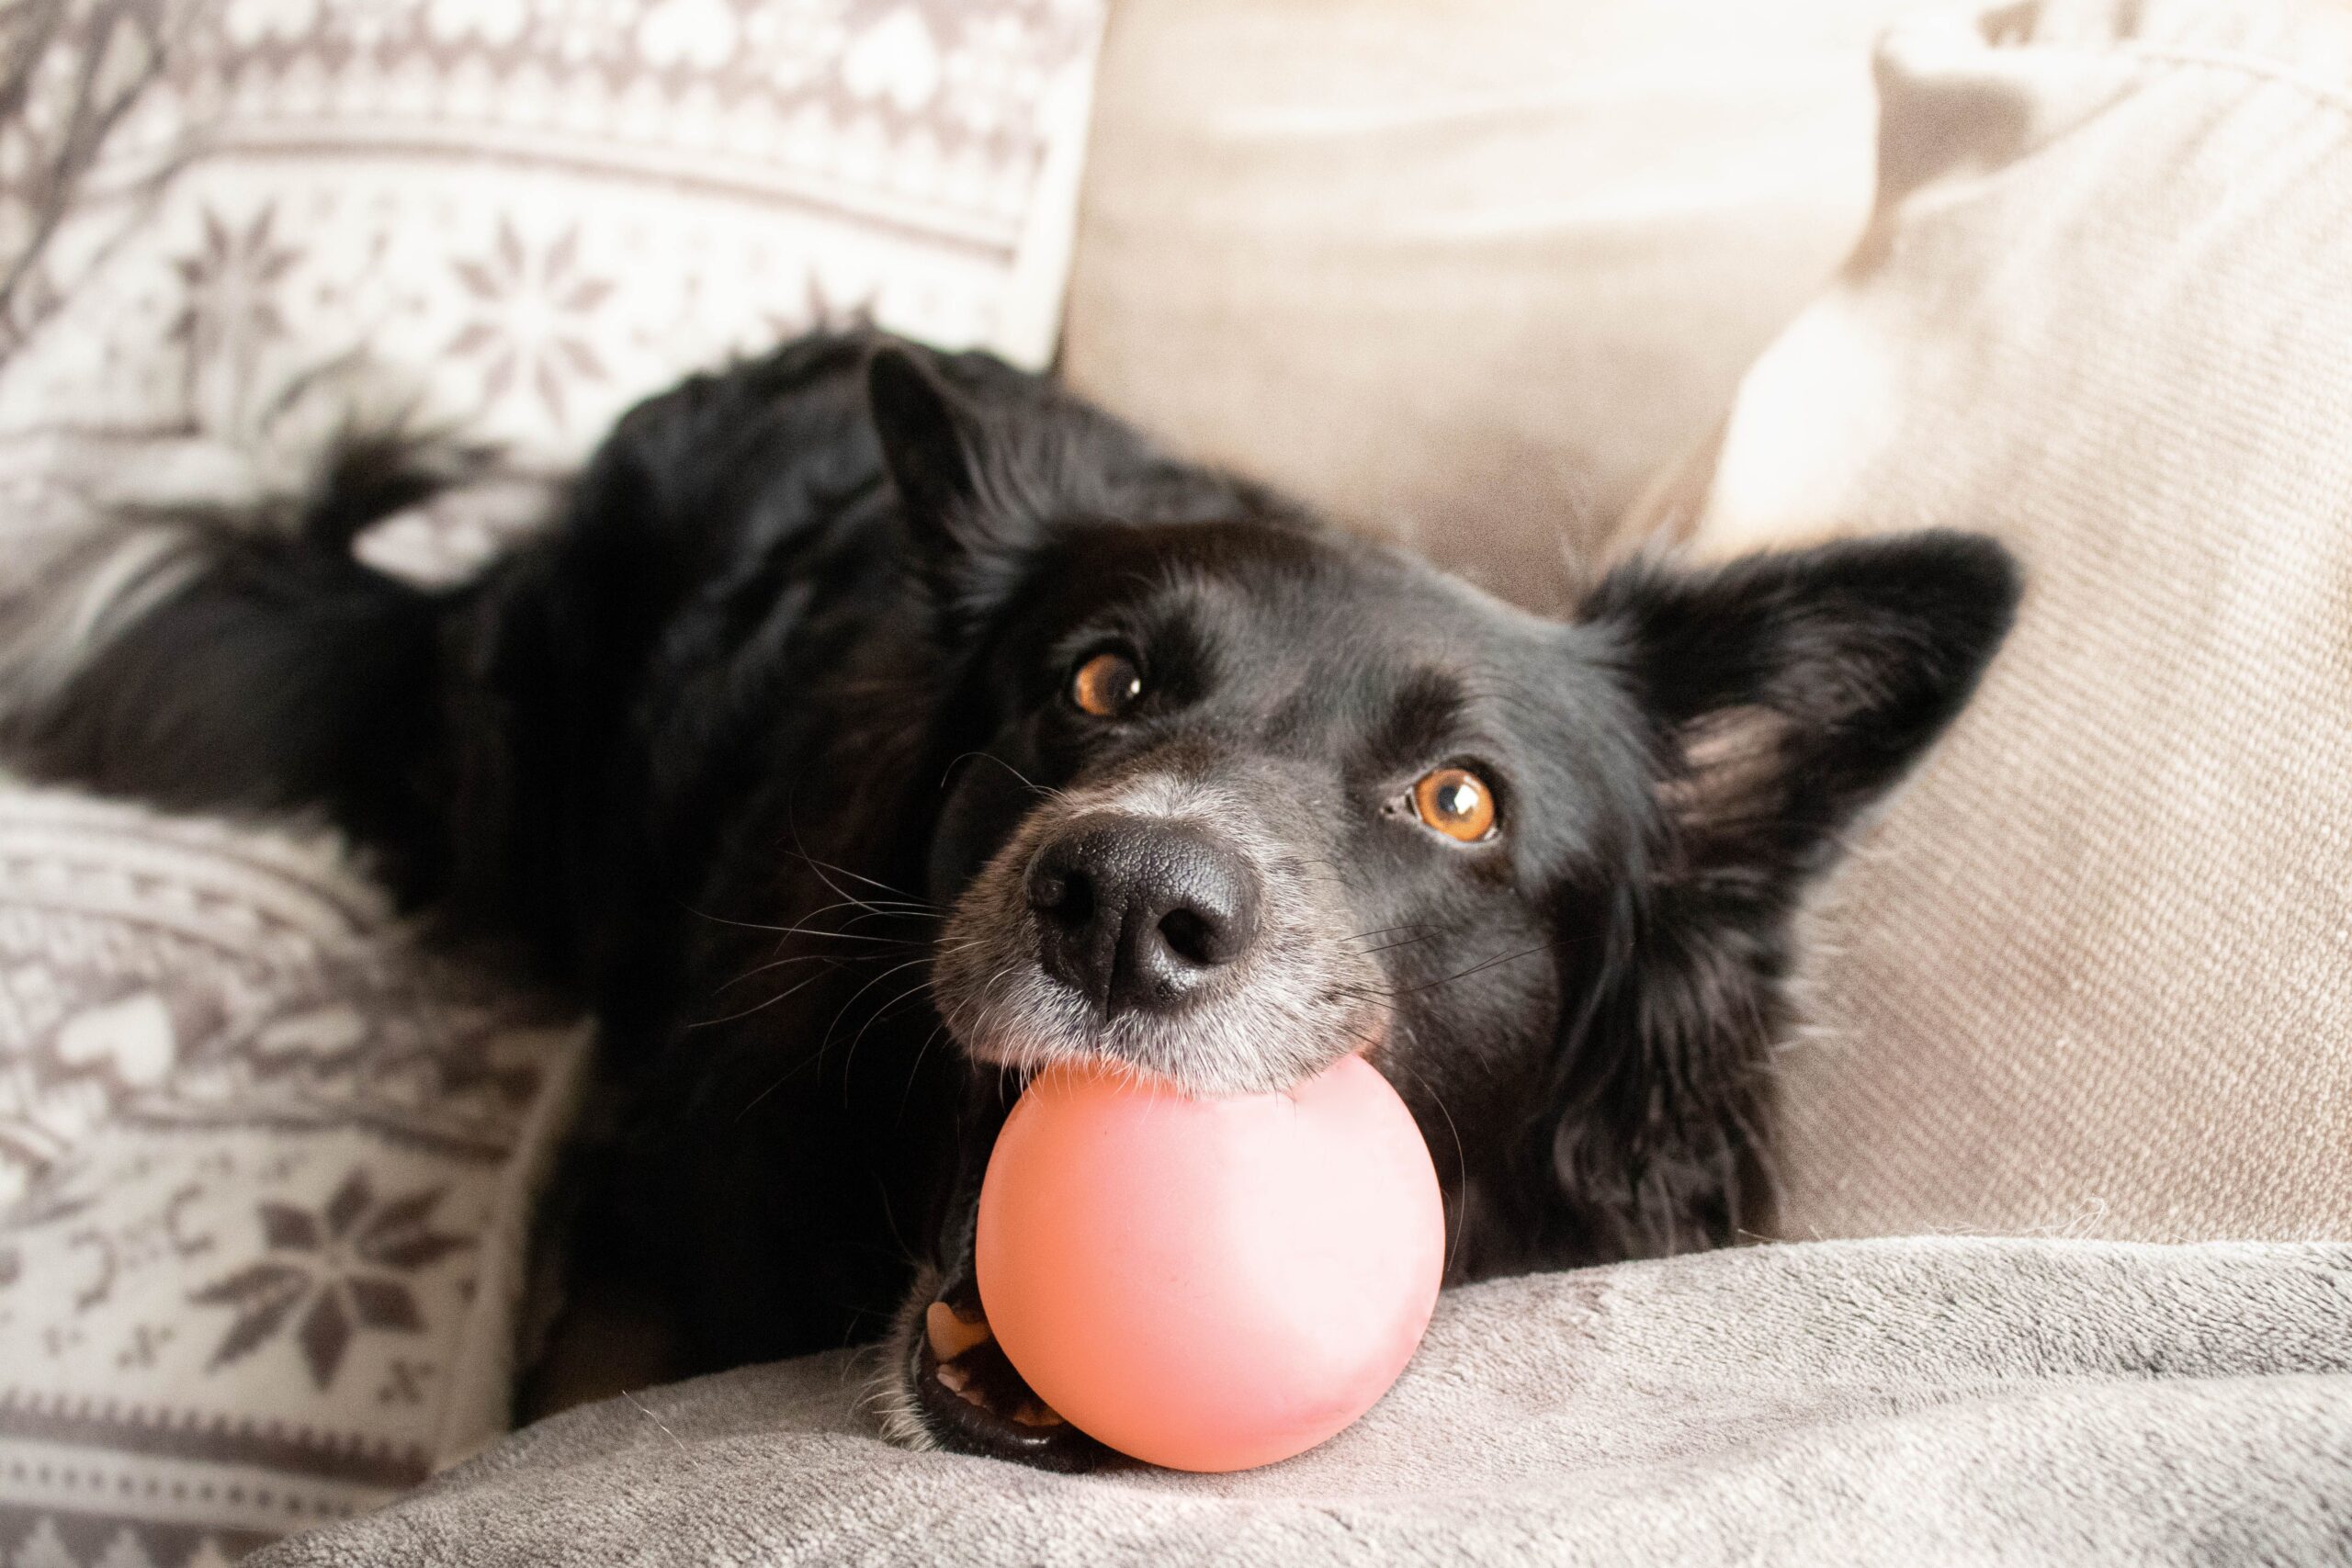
x=1064 y=896
x=1190 y=937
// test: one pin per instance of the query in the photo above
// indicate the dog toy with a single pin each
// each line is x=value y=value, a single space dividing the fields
x=1210 y=1284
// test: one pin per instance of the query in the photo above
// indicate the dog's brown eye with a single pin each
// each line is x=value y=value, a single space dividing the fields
x=1106 y=685
x=1457 y=803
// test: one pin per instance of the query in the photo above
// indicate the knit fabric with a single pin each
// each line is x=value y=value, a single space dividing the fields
x=2089 y=973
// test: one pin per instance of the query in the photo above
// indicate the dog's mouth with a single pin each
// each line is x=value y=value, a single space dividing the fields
x=958 y=1389
x=974 y=1401
x=1311 y=1003
x=965 y=1390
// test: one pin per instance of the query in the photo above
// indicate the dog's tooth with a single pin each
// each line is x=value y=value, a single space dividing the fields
x=954 y=1377
x=1036 y=1413
x=951 y=1334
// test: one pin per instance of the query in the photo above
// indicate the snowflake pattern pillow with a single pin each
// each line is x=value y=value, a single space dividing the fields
x=265 y=1177
x=265 y=1171
x=522 y=214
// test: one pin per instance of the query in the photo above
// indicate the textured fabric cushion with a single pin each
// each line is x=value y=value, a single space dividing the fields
x=264 y=1178
x=1927 y=1401
x=264 y=1172
x=1465 y=275
x=2091 y=973
x=527 y=214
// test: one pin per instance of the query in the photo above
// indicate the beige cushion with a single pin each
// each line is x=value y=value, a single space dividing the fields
x=1466 y=275
x=2094 y=970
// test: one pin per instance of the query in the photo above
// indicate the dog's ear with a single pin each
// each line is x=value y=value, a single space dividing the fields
x=1785 y=692
x=965 y=521
x=1789 y=691
x=928 y=440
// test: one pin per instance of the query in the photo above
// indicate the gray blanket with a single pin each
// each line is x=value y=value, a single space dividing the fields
x=1896 y=1402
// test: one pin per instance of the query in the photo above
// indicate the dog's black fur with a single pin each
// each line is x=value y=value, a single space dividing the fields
x=742 y=747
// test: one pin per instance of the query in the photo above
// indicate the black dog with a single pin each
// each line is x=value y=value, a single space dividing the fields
x=873 y=726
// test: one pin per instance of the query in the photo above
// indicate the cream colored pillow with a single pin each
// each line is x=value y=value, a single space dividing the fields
x=1464 y=275
x=2094 y=970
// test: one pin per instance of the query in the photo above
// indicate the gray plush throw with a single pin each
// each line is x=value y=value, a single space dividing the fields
x=1891 y=1402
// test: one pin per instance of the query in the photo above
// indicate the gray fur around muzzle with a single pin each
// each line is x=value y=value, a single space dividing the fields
x=1161 y=923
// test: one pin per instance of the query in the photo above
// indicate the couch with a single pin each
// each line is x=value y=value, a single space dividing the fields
x=2058 y=1271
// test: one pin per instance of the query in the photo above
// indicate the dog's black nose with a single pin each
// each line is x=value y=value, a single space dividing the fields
x=1134 y=913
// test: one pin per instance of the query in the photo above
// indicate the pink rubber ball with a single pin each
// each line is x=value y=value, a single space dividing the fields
x=1210 y=1284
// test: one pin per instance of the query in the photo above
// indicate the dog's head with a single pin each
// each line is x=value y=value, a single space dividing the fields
x=1234 y=795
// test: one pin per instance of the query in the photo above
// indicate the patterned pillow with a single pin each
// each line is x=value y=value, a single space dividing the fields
x=263 y=1178
x=264 y=1169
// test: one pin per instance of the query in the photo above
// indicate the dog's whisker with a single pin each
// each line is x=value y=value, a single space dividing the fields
x=796 y=930
x=816 y=1059
x=866 y=912
x=897 y=908
x=762 y=1006
x=849 y=1059
x=825 y=1042
x=906 y=1254
x=870 y=909
x=818 y=934
x=1393 y=993
x=1384 y=931
x=843 y=960
x=1048 y=790
x=1461 y=1155
x=824 y=869
x=1399 y=945
x=898 y=895
x=914 y=1069
x=840 y=960
x=751 y=974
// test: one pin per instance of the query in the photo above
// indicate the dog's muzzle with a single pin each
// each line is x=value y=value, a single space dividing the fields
x=1157 y=922
x=1161 y=923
